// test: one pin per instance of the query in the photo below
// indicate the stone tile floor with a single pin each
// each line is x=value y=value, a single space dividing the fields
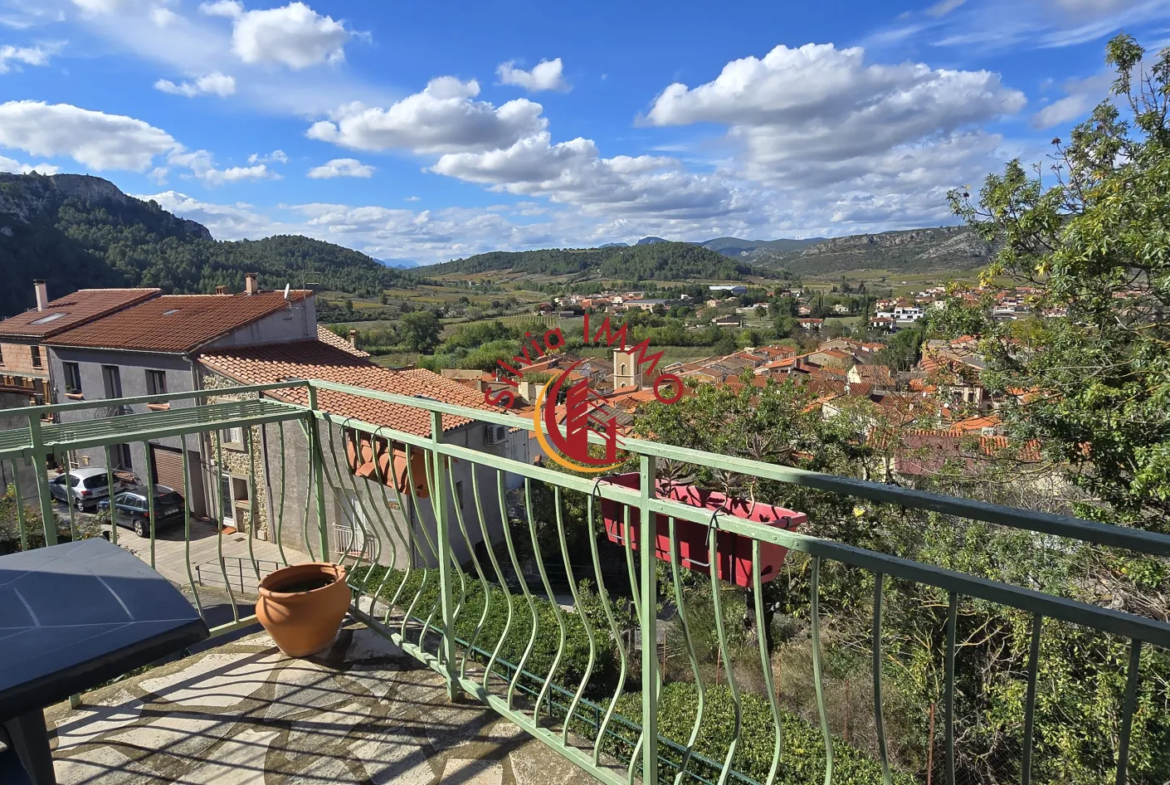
x=363 y=712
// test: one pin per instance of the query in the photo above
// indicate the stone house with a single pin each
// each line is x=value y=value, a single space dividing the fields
x=360 y=491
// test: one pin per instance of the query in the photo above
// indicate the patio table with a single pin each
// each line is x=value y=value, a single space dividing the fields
x=71 y=617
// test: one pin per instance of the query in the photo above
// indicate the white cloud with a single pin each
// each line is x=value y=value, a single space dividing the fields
x=547 y=75
x=98 y=6
x=1063 y=111
x=276 y=156
x=235 y=174
x=1081 y=96
x=27 y=55
x=442 y=118
x=1014 y=25
x=164 y=17
x=381 y=232
x=341 y=167
x=293 y=35
x=943 y=7
x=226 y=222
x=574 y=172
x=202 y=165
x=232 y=9
x=817 y=115
x=412 y=199
x=16 y=167
x=202 y=43
x=214 y=83
x=96 y=139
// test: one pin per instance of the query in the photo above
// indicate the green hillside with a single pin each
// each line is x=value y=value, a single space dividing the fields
x=653 y=261
x=736 y=247
x=79 y=232
x=909 y=251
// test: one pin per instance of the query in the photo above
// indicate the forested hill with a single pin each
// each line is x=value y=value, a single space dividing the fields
x=653 y=261
x=79 y=232
x=906 y=251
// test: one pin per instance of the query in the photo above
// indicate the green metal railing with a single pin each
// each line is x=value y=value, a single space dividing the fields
x=431 y=593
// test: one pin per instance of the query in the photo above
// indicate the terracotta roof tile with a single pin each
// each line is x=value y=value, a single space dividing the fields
x=176 y=323
x=78 y=308
x=319 y=360
x=325 y=335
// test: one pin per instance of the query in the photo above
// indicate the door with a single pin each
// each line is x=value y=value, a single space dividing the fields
x=168 y=468
x=352 y=534
x=226 y=500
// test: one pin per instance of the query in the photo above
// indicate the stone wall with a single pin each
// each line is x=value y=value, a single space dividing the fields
x=235 y=463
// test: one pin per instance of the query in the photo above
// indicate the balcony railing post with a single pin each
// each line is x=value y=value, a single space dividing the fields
x=443 y=546
x=318 y=472
x=39 y=454
x=649 y=624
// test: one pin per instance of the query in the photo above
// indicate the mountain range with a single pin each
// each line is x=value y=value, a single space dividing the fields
x=942 y=249
x=938 y=249
x=656 y=261
x=77 y=232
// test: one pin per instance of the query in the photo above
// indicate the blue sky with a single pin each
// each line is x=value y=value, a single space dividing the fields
x=430 y=131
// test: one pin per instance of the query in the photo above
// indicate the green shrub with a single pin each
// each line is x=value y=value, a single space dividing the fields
x=802 y=756
x=574 y=660
x=802 y=759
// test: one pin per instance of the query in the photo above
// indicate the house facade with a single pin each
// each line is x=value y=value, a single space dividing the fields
x=361 y=503
x=25 y=370
x=150 y=349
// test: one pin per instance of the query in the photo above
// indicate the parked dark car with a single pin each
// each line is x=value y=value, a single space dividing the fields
x=132 y=509
x=87 y=486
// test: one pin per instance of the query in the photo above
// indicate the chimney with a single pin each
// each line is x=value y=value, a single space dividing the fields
x=42 y=290
x=221 y=290
x=353 y=338
x=250 y=283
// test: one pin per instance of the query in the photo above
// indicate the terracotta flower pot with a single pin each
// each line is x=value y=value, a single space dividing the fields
x=302 y=606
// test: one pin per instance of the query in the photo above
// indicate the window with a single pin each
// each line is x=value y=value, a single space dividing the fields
x=233 y=438
x=1 y=355
x=36 y=356
x=120 y=455
x=156 y=382
x=112 y=381
x=50 y=318
x=72 y=378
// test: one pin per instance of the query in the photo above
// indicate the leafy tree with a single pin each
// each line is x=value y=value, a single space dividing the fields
x=420 y=331
x=901 y=352
x=1093 y=240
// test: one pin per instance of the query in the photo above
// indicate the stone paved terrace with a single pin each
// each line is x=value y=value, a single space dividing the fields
x=170 y=554
x=363 y=712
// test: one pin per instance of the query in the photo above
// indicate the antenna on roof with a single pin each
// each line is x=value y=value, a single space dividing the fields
x=286 y=288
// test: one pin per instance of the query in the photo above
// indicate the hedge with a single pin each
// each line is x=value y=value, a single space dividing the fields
x=576 y=654
x=802 y=756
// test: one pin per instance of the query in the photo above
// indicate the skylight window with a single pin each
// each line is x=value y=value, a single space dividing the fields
x=50 y=318
x=171 y=312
